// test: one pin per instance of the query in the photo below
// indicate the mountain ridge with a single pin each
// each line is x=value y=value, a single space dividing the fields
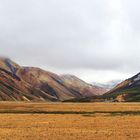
x=126 y=91
x=19 y=83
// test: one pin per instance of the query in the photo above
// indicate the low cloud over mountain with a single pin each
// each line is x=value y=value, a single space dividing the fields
x=76 y=35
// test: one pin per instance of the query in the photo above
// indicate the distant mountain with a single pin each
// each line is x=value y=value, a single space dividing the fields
x=82 y=87
x=19 y=83
x=108 y=85
x=128 y=90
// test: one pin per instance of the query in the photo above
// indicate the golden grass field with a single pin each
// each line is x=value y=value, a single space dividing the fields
x=69 y=121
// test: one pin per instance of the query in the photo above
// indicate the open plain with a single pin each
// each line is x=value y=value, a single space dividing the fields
x=69 y=121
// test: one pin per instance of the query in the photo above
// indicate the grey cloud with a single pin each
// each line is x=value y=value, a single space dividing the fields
x=75 y=34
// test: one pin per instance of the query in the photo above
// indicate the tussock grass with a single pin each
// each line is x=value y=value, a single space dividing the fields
x=69 y=121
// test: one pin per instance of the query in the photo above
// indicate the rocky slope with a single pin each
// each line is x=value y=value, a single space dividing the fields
x=33 y=84
x=128 y=90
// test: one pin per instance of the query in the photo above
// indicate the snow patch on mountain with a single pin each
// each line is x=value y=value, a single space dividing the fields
x=137 y=78
x=108 y=85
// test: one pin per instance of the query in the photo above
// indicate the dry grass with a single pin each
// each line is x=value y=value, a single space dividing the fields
x=57 y=121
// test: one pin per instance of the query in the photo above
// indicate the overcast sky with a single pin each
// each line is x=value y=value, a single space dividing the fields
x=97 y=40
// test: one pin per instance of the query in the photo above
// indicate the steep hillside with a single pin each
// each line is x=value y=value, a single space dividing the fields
x=47 y=82
x=14 y=88
x=129 y=90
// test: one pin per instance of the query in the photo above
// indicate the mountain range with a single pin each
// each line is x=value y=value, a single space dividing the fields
x=19 y=83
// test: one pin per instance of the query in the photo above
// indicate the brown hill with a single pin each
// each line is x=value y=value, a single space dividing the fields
x=33 y=84
x=82 y=88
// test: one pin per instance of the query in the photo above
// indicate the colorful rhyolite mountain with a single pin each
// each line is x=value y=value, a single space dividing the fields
x=33 y=84
x=127 y=91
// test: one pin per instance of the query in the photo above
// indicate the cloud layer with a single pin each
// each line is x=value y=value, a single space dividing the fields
x=91 y=36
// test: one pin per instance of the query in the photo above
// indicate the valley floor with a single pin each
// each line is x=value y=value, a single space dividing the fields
x=69 y=121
